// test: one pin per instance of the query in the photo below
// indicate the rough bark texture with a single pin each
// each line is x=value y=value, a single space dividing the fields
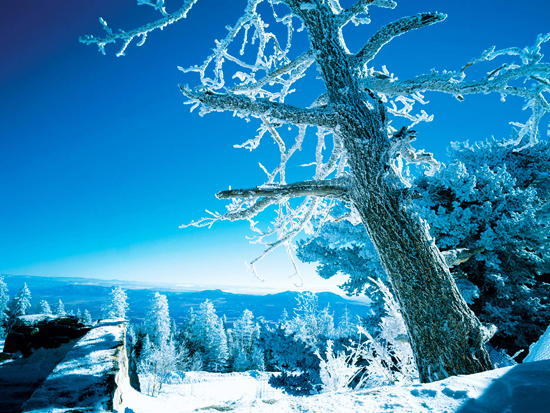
x=446 y=337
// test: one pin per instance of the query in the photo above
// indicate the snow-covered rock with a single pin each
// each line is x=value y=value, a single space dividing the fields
x=91 y=375
x=32 y=332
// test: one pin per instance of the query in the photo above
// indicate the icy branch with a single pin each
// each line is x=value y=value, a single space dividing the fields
x=330 y=188
x=142 y=31
x=458 y=256
x=395 y=29
x=361 y=8
x=261 y=107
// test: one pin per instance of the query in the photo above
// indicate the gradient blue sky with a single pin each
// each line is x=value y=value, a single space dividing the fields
x=100 y=162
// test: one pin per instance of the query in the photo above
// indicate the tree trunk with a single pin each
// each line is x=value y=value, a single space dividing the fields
x=446 y=337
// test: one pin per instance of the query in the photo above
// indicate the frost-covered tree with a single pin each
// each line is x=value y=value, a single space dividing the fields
x=157 y=321
x=495 y=201
x=310 y=323
x=60 y=308
x=364 y=166
x=347 y=324
x=87 y=318
x=4 y=300
x=21 y=302
x=244 y=351
x=115 y=305
x=44 y=307
x=155 y=361
x=206 y=336
x=488 y=212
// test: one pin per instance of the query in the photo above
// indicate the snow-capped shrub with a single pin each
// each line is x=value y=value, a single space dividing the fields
x=337 y=371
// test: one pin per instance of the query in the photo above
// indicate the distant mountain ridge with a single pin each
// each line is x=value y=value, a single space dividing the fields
x=88 y=293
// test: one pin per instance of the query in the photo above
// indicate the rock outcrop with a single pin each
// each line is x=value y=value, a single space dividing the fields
x=32 y=332
x=90 y=377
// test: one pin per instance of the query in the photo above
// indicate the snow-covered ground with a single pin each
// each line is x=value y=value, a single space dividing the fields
x=521 y=388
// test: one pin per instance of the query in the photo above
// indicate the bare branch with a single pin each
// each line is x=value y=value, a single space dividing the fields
x=142 y=31
x=261 y=107
x=395 y=29
x=335 y=188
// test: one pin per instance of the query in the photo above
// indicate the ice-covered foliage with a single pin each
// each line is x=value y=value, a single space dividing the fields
x=4 y=300
x=157 y=321
x=341 y=247
x=156 y=360
x=87 y=318
x=44 y=307
x=115 y=305
x=310 y=323
x=297 y=362
x=21 y=302
x=60 y=308
x=497 y=200
x=245 y=354
x=336 y=370
x=206 y=338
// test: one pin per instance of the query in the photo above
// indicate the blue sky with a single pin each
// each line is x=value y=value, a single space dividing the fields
x=100 y=162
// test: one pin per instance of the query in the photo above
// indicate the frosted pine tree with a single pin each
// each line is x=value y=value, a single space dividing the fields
x=115 y=305
x=245 y=353
x=494 y=201
x=44 y=307
x=157 y=321
x=207 y=337
x=4 y=300
x=352 y=118
x=60 y=309
x=87 y=318
x=21 y=303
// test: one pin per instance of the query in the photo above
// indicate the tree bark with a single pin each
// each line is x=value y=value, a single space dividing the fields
x=446 y=337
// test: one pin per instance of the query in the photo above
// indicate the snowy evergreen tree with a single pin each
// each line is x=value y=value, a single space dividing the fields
x=44 y=307
x=78 y=314
x=206 y=335
x=60 y=309
x=115 y=305
x=87 y=318
x=157 y=321
x=245 y=353
x=495 y=201
x=21 y=303
x=4 y=300
x=364 y=168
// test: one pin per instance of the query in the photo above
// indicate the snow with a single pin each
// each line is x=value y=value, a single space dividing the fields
x=88 y=374
x=541 y=349
x=520 y=388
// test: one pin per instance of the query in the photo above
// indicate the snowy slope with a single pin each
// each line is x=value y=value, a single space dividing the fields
x=517 y=389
